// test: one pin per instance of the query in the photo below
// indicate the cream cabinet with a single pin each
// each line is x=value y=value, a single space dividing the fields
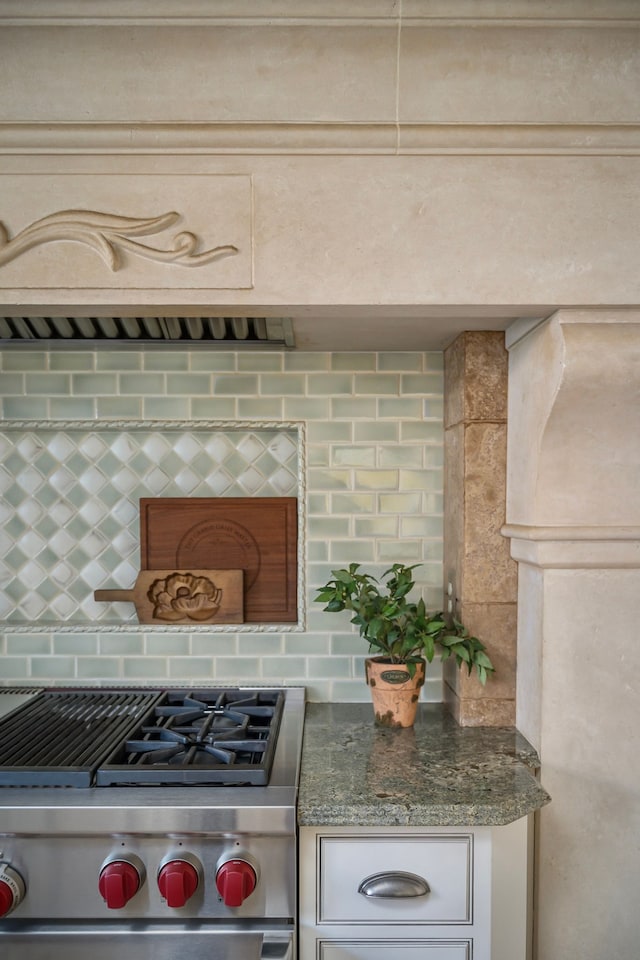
x=440 y=893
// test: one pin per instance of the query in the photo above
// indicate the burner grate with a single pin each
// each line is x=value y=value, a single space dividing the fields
x=200 y=737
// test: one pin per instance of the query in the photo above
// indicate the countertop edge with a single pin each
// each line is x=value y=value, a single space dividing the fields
x=465 y=815
x=348 y=765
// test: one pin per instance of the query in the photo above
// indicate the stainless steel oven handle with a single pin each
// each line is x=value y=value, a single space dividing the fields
x=280 y=949
x=42 y=941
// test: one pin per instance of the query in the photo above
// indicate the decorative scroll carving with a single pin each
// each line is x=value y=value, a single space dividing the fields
x=107 y=234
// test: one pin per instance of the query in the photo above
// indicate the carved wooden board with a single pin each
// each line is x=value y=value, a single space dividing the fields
x=183 y=596
x=256 y=534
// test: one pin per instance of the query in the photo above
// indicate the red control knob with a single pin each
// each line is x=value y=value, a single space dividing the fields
x=177 y=881
x=6 y=898
x=119 y=882
x=235 y=880
x=12 y=888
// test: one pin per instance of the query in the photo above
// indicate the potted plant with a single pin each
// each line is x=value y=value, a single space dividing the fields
x=402 y=635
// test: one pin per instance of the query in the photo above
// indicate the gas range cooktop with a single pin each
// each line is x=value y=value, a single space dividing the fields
x=90 y=737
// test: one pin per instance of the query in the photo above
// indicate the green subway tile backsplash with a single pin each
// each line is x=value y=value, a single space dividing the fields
x=216 y=408
x=260 y=362
x=25 y=360
x=347 y=456
x=402 y=456
x=357 y=408
x=142 y=383
x=376 y=527
x=369 y=470
x=98 y=668
x=376 y=432
x=376 y=479
x=92 y=384
x=353 y=361
x=72 y=408
x=399 y=408
x=28 y=408
x=422 y=384
x=400 y=551
x=166 y=408
x=329 y=431
x=49 y=384
x=263 y=408
x=117 y=360
x=119 y=408
x=376 y=384
x=189 y=384
x=11 y=383
x=400 y=361
x=283 y=384
x=329 y=384
x=301 y=408
x=15 y=668
x=306 y=361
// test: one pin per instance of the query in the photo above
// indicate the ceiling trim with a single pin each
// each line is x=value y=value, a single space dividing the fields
x=336 y=12
x=322 y=138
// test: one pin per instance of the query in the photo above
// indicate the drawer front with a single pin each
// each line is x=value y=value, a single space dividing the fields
x=445 y=863
x=383 y=949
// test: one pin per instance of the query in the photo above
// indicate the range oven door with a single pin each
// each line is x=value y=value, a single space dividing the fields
x=142 y=941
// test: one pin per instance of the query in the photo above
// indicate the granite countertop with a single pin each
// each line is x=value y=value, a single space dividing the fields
x=435 y=773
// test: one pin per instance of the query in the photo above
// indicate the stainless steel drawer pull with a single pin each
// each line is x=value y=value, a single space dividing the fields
x=393 y=885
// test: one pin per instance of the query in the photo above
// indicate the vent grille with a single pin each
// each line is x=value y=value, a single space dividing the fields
x=253 y=332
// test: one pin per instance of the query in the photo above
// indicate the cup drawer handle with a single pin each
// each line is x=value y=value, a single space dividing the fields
x=392 y=885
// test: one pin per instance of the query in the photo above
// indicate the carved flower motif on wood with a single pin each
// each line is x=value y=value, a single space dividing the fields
x=182 y=595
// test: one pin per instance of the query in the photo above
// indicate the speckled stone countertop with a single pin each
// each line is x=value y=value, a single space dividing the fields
x=435 y=773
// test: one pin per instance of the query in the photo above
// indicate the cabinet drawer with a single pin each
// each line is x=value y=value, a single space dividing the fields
x=383 y=949
x=445 y=863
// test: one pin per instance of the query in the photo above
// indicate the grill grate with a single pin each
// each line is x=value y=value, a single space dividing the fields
x=95 y=332
x=60 y=737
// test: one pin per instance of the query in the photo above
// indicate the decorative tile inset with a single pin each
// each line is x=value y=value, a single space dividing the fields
x=69 y=502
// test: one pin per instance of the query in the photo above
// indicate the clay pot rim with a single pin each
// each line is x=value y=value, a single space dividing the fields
x=396 y=663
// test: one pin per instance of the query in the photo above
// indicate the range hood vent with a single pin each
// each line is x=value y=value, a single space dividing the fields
x=96 y=332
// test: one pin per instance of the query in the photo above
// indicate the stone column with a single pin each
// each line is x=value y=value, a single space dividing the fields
x=480 y=576
x=573 y=510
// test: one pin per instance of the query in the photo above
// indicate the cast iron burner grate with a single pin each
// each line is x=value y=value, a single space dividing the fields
x=98 y=737
x=200 y=737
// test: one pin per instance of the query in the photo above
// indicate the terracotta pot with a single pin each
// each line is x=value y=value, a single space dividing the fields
x=394 y=692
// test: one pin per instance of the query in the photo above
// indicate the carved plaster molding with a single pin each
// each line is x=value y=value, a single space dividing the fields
x=320 y=12
x=574 y=446
x=106 y=233
x=576 y=548
x=322 y=138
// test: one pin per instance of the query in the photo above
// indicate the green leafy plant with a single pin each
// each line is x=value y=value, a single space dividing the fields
x=397 y=628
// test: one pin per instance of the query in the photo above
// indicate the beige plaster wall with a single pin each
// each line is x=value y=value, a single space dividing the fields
x=588 y=868
x=415 y=119
x=448 y=232
x=572 y=507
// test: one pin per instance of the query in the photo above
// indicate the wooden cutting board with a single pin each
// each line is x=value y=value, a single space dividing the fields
x=257 y=534
x=183 y=596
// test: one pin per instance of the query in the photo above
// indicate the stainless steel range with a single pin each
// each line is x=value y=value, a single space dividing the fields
x=149 y=823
